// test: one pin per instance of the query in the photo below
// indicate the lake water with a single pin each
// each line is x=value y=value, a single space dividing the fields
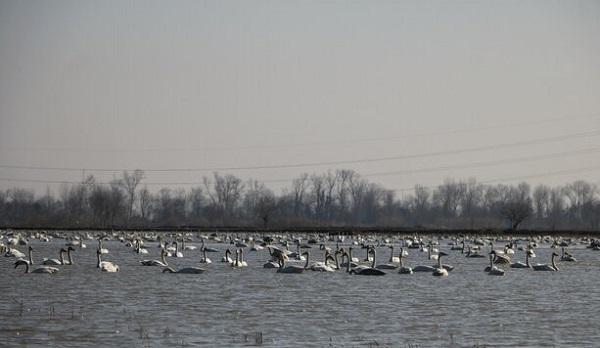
x=252 y=306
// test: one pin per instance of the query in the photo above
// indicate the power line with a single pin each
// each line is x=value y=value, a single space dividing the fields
x=317 y=164
x=489 y=163
x=408 y=171
x=312 y=144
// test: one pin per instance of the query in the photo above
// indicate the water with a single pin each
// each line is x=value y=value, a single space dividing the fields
x=253 y=306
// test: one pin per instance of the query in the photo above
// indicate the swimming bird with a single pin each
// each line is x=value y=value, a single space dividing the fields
x=404 y=269
x=102 y=250
x=242 y=262
x=162 y=262
x=225 y=258
x=520 y=264
x=546 y=267
x=186 y=270
x=440 y=270
x=566 y=256
x=491 y=269
x=392 y=257
x=204 y=258
x=322 y=266
x=177 y=253
x=30 y=255
x=42 y=269
x=55 y=262
x=106 y=266
x=12 y=252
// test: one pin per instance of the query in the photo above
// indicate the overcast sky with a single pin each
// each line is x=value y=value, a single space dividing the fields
x=402 y=92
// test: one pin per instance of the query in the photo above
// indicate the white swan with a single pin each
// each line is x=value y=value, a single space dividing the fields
x=12 y=252
x=42 y=269
x=177 y=252
x=30 y=254
x=102 y=250
x=491 y=269
x=225 y=258
x=186 y=270
x=106 y=266
x=242 y=262
x=162 y=262
x=55 y=262
x=520 y=264
x=546 y=267
x=322 y=266
x=440 y=270
x=403 y=269
x=139 y=248
x=238 y=259
x=383 y=265
x=204 y=258
x=69 y=256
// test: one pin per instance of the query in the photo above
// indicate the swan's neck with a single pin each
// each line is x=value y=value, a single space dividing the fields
x=374 y=257
x=553 y=263
x=30 y=256
x=306 y=264
x=70 y=256
x=162 y=257
x=392 y=255
x=440 y=261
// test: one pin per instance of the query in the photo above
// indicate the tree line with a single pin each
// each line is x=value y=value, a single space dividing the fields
x=336 y=198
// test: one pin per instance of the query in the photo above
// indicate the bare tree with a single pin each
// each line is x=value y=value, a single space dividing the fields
x=421 y=204
x=448 y=197
x=130 y=183
x=556 y=206
x=225 y=193
x=147 y=203
x=518 y=206
x=266 y=207
x=298 y=191
x=318 y=196
x=358 y=188
x=197 y=203
x=541 y=201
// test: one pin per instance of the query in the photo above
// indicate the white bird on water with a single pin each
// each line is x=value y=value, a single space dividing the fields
x=106 y=266
x=546 y=267
x=42 y=269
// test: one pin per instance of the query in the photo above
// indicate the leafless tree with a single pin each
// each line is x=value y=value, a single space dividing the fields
x=518 y=206
x=556 y=206
x=541 y=200
x=130 y=182
x=225 y=193
x=147 y=203
x=299 y=186
x=318 y=195
x=357 y=187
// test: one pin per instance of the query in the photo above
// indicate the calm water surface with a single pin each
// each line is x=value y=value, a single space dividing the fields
x=253 y=306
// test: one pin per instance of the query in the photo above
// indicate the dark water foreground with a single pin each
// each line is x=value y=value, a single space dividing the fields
x=253 y=306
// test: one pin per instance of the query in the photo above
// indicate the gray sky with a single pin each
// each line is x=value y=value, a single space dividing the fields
x=403 y=92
